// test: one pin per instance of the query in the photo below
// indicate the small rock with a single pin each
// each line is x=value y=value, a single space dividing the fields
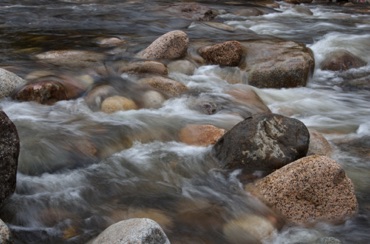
x=227 y=53
x=263 y=142
x=200 y=135
x=137 y=230
x=9 y=82
x=5 y=235
x=152 y=99
x=318 y=144
x=341 y=60
x=96 y=96
x=110 y=42
x=71 y=58
x=152 y=67
x=167 y=86
x=181 y=66
x=9 y=152
x=248 y=229
x=310 y=190
x=117 y=103
x=171 y=45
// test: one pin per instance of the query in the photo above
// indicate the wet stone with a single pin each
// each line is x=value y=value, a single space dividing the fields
x=227 y=53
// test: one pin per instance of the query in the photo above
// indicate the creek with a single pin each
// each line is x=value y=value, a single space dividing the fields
x=66 y=194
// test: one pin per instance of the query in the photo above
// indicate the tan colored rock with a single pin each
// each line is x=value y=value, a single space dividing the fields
x=278 y=63
x=167 y=86
x=141 y=67
x=96 y=96
x=5 y=234
x=182 y=66
x=171 y=45
x=200 y=135
x=310 y=190
x=117 y=103
x=71 y=58
x=248 y=228
x=227 y=53
x=318 y=144
x=152 y=99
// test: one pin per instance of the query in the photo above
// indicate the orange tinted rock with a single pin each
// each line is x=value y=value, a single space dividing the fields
x=200 y=135
x=227 y=53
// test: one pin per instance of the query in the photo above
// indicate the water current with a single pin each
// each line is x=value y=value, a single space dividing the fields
x=67 y=195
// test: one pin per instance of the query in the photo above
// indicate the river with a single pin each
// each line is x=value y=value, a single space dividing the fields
x=66 y=195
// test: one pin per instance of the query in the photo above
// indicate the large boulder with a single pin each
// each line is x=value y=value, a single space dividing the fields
x=172 y=45
x=8 y=82
x=9 y=152
x=310 y=190
x=137 y=230
x=278 y=63
x=263 y=142
x=341 y=60
x=228 y=53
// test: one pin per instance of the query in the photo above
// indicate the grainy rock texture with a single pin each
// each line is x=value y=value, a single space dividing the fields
x=263 y=142
x=171 y=45
x=341 y=60
x=167 y=86
x=309 y=190
x=117 y=103
x=5 y=235
x=71 y=58
x=200 y=135
x=227 y=53
x=138 y=231
x=9 y=82
x=9 y=152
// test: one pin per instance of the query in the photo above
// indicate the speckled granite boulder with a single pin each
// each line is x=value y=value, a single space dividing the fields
x=5 y=235
x=310 y=190
x=9 y=152
x=227 y=53
x=164 y=85
x=137 y=230
x=171 y=45
x=8 y=82
x=263 y=142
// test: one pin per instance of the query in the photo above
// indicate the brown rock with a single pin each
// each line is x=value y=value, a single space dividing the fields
x=278 y=64
x=71 y=58
x=171 y=45
x=45 y=91
x=167 y=86
x=117 y=103
x=263 y=142
x=318 y=144
x=200 y=135
x=152 y=67
x=227 y=53
x=310 y=190
x=191 y=10
x=9 y=152
x=341 y=60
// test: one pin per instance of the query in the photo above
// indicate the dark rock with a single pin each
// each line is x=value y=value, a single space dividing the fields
x=193 y=11
x=227 y=53
x=341 y=60
x=9 y=152
x=264 y=142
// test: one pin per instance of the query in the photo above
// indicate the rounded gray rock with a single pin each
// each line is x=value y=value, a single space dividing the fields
x=9 y=82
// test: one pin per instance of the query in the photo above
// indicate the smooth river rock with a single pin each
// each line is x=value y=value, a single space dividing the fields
x=263 y=142
x=137 y=230
x=341 y=60
x=310 y=190
x=9 y=82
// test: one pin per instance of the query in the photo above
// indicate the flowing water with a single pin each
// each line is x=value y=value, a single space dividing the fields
x=80 y=171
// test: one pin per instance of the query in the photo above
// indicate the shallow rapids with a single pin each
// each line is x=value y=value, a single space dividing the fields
x=81 y=171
